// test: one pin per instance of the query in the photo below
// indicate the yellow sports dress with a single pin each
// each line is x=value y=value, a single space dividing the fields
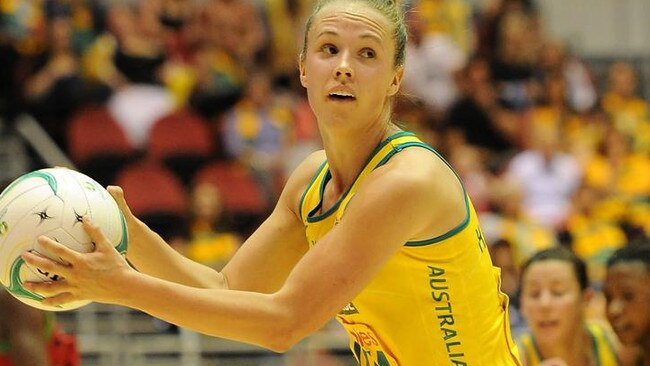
x=436 y=302
x=603 y=351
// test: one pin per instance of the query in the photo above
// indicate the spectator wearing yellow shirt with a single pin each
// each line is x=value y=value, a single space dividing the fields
x=256 y=131
x=450 y=17
x=622 y=176
x=595 y=234
x=629 y=111
x=211 y=241
x=618 y=169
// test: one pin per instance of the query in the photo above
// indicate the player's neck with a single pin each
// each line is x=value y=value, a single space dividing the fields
x=645 y=352
x=347 y=154
x=567 y=350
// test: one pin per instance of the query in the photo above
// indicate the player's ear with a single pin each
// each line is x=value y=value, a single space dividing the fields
x=395 y=83
x=301 y=68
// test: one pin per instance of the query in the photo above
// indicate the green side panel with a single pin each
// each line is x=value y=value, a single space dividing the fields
x=16 y=285
x=124 y=243
x=49 y=178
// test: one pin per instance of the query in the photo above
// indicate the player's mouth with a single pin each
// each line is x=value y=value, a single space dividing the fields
x=621 y=328
x=341 y=96
x=547 y=324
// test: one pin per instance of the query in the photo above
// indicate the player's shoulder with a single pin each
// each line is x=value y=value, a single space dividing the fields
x=419 y=167
x=309 y=166
x=302 y=175
x=421 y=179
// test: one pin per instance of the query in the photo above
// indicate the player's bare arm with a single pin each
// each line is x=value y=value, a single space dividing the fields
x=150 y=254
x=323 y=281
x=266 y=257
x=264 y=261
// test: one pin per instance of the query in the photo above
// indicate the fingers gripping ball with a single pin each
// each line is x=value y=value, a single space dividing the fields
x=52 y=202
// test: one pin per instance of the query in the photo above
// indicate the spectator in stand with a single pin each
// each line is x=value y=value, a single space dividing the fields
x=212 y=241
x=236 y=26
x=551 y=107
x=628 y=110
x=594 y=233
x=620 y=176
x=55 y=87
x=221 y=76
x=284 y=20
x=134 y=65
x=506 y=220
x=434 y=58
x=554 y=59
x=552 y=110
x=255 y=131
x=302 y=136
x=514 y=33
x=477 y=114
x=452 y=18
x=547 y=176
x=180 y=35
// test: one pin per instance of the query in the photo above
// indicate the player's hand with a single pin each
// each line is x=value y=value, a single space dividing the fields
x=139 y=232
x=134 y=224
x=96 y=276
x=142 y=240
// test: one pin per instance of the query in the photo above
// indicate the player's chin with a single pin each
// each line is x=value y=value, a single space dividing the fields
x=628 y=336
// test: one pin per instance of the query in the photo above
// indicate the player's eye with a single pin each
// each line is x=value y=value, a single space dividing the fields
x=558 y=292
x=628 y=296
x=368 y=53
x=329 y=49
x=534 y=294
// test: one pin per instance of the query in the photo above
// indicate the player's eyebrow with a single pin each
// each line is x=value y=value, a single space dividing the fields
x=363 y=36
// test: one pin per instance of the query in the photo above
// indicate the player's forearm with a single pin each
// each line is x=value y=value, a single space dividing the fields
x=150 y=254
x=260 y=319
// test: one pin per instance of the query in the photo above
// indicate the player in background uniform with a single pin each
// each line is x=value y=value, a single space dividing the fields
x=627 y=291
x=30 y=337
x=376 y=230
x=23 y=333
x=554 y=297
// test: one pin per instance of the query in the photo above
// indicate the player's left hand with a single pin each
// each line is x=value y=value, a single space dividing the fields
x=96 y=276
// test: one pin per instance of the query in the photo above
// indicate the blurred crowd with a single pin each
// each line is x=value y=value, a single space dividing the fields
x=550 y=154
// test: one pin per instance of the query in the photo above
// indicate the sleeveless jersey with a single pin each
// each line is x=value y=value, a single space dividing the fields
x=603 y=351
x=435 y=302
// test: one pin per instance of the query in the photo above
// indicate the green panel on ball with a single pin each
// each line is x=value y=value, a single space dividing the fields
x=16 y=285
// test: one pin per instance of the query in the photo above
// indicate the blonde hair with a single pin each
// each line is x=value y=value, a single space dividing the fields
x=391 y=9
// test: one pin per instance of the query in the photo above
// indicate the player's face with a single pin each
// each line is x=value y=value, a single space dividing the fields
x=348 y=66
x=552 y=301
x=627 y=290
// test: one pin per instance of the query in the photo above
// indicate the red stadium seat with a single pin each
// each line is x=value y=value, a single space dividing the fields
x=97 y=144
x=243 y=198
x=156 y=196
x=182 y=141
